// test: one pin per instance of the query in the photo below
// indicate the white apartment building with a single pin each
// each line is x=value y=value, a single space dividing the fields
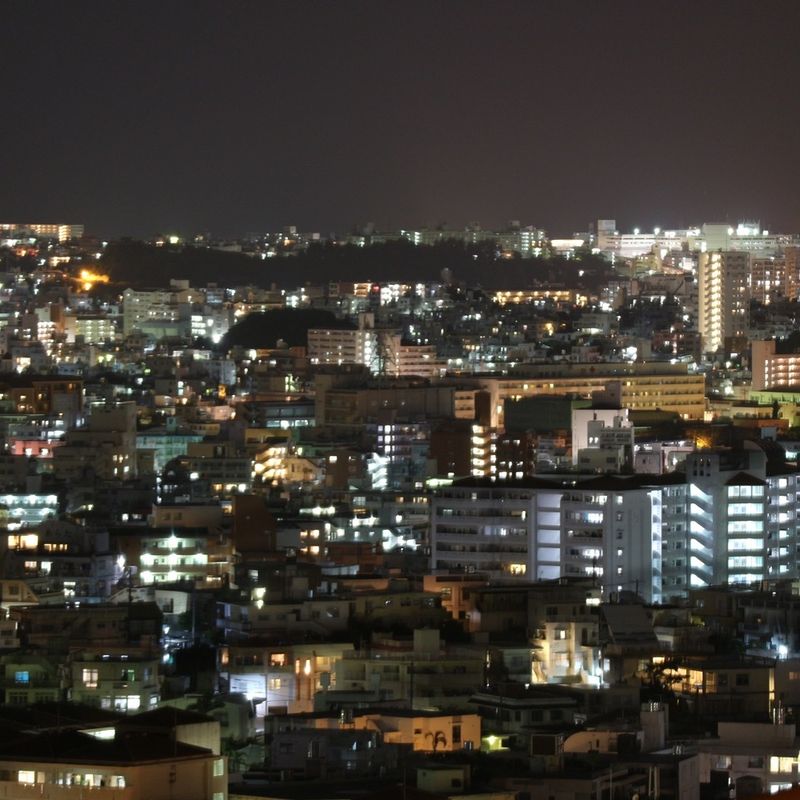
x=150 y=311
x=541 y=529
x=376 y=349
x=742 y=521
x=724 y=296
x=418 y=360
x=210 y=322
x=728 y=519
x=92 y=328
x=587 y=424
x=186 y=555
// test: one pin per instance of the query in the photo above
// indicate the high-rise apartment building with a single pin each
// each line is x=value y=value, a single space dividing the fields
x=724 y=297
x=767 y=278
x=546 y=528
x=375 y=349
x=771 y=369
x=731 y=518
x=791 y=259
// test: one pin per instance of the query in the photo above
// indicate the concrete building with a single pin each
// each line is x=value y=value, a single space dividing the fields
x=730 y=519
x=741 y=525
x=374 y=348
x=589 y=424
x=724 y=297
x=767 y=278
x=129 y=766
x=159 y=312
x=91 y=328
x=772 y=369
x=757 y=756
x=30 y=678
x=105 y=447
x=64 y=232
x=359 y=405
x=281 y=679
x=791 y=258
x=542 y=529
x=120 y=683
x=643 y=387
x=195 y=555
x=425 y=676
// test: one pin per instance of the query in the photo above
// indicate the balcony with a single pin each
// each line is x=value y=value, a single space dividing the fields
x=22 y=791
x=588 y=533
x=131 y=686
x=178 y=551
x=34 y=683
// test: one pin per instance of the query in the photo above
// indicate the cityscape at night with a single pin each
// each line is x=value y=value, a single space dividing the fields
x=400 y=400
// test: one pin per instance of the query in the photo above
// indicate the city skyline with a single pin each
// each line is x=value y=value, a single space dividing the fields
x=399 y=400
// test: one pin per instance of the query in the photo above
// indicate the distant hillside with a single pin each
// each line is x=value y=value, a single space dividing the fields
x=139 y=264
x=290 y=325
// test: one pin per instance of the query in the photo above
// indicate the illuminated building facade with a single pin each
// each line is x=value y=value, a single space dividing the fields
x=724 y=297
x=771 y=369
x=45 y=230
x=643 y=387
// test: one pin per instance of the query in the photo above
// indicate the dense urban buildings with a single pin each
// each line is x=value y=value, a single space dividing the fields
x=537 y=537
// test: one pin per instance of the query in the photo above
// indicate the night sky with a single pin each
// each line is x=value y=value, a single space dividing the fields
x=144 y=117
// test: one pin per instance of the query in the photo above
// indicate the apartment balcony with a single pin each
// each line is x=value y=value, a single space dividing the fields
x=200 y=569
x=178 y=551
x=34 y=683
x=137 y=687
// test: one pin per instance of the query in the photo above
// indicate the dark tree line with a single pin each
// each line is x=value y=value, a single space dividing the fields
x=140 y=264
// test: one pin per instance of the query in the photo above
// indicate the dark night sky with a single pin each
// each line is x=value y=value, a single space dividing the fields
x=136 y=116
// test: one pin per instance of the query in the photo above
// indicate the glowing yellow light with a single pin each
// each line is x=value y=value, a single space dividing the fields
x=88 y=278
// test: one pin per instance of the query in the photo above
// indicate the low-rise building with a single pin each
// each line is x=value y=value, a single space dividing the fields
x=119 y=683
x=129 y=766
